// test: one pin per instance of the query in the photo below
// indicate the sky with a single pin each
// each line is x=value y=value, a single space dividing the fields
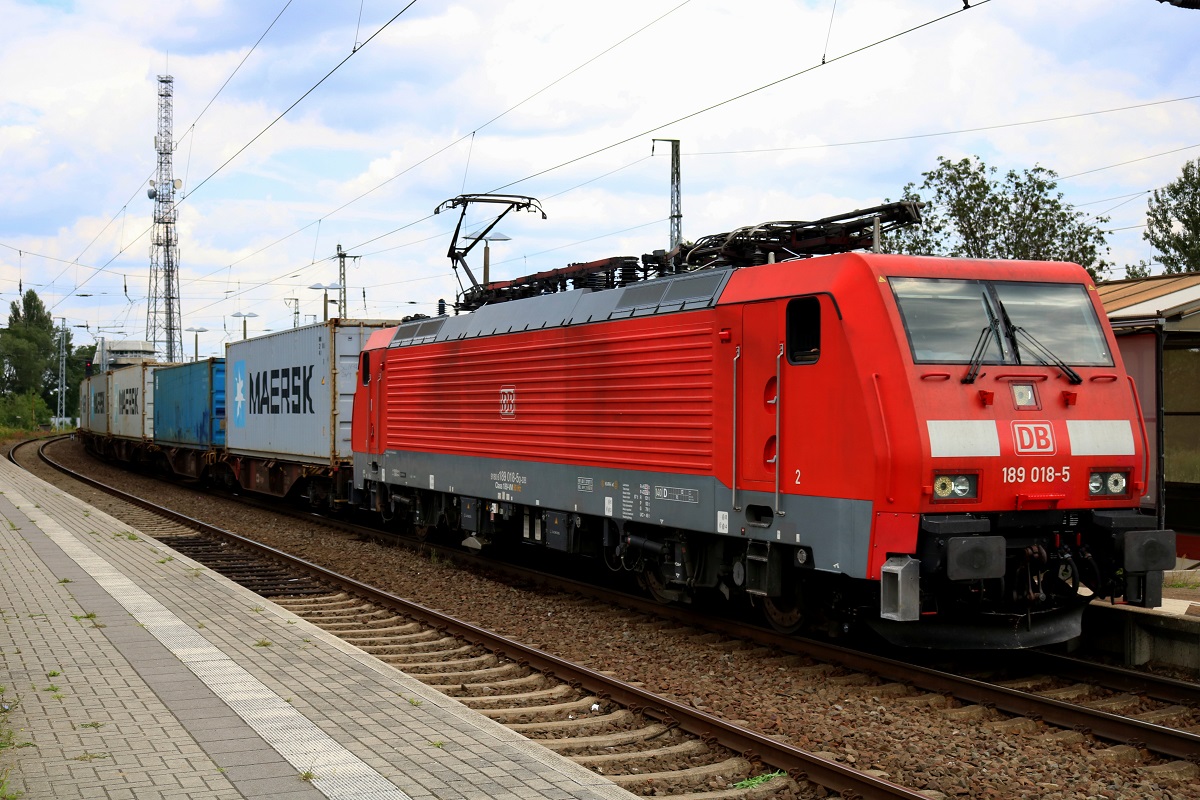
x=304 y=125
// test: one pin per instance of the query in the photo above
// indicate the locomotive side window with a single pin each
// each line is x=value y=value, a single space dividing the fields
x=804 y=330
x=364 y=368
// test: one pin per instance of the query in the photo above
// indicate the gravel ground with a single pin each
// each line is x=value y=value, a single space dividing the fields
x=918 y=740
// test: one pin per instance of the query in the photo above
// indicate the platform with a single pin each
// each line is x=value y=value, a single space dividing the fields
x=130 y=671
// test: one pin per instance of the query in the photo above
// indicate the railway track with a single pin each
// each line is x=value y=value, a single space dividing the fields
x=1128 y=707
x=1122 y=706
x=642 y=741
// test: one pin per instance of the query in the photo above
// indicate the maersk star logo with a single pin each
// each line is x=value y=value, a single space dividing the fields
x=239 y=394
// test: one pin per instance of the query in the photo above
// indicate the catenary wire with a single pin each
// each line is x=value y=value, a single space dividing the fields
x=743 y=95
x=727 y=101
x=189 y=131
x=287 y=110
x=934 y=134
x=254 y=139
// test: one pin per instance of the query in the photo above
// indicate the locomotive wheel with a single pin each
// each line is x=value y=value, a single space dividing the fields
x=653 y=584
x=784 y=614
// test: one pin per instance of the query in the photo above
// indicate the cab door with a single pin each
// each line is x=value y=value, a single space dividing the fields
x=370 y=373
x=759 y=366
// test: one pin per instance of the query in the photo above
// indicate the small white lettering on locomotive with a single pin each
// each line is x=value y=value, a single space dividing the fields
x=507 y=482
x=676 y=494
x=508 y=401
x=584 y=484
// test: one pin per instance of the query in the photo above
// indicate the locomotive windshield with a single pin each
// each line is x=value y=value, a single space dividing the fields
x=949 y=321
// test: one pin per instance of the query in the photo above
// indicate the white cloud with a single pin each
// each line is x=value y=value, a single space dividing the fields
x=76 y=131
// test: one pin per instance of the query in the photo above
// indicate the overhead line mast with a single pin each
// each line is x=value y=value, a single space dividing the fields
x=163 y=325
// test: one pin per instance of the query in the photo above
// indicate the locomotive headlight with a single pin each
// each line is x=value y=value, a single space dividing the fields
x=955 y=487
x=1107 y=483
x=1024 y=395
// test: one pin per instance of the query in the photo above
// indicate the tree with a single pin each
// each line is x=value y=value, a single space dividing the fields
x=969 y=213
x=1173 y=222
x=26 y=347
x=29 y=354
x=76 y=372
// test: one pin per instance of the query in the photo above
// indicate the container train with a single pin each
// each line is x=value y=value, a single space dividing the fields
x=946 y=451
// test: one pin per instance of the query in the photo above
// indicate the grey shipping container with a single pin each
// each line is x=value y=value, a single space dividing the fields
x=189 y=404
x=290 y=394
x=93 y=404
x=131 y=401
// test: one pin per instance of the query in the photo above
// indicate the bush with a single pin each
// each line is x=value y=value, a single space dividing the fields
x=23 y=412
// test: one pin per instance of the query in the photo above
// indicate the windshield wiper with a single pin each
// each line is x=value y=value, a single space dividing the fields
x=982 y=344
x=1047 y=356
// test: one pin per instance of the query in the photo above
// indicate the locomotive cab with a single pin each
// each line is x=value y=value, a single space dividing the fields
x=1034 y=458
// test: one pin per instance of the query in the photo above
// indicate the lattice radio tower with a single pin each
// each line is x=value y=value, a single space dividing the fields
x=163 y=326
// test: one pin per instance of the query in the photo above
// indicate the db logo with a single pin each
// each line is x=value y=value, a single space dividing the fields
x=1035 y=438
x=508 y=401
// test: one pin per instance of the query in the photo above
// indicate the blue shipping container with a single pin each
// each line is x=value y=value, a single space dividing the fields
x=189 y=404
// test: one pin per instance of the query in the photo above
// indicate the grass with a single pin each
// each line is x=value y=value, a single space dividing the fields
x=88 y=615
x=6 y=791
x=263 y=643
x=91 y=756
x=759 y=780
x=307 y=775
x=64 y=580
x=165 y=560
x=93 y=725
x=53 y=673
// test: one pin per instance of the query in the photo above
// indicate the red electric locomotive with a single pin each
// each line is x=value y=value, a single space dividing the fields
x=946 y=450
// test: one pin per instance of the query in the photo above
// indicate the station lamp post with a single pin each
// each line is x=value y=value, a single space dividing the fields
x=196 y=341
x=244 y=317
x=326 y=289
x=494 y=236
